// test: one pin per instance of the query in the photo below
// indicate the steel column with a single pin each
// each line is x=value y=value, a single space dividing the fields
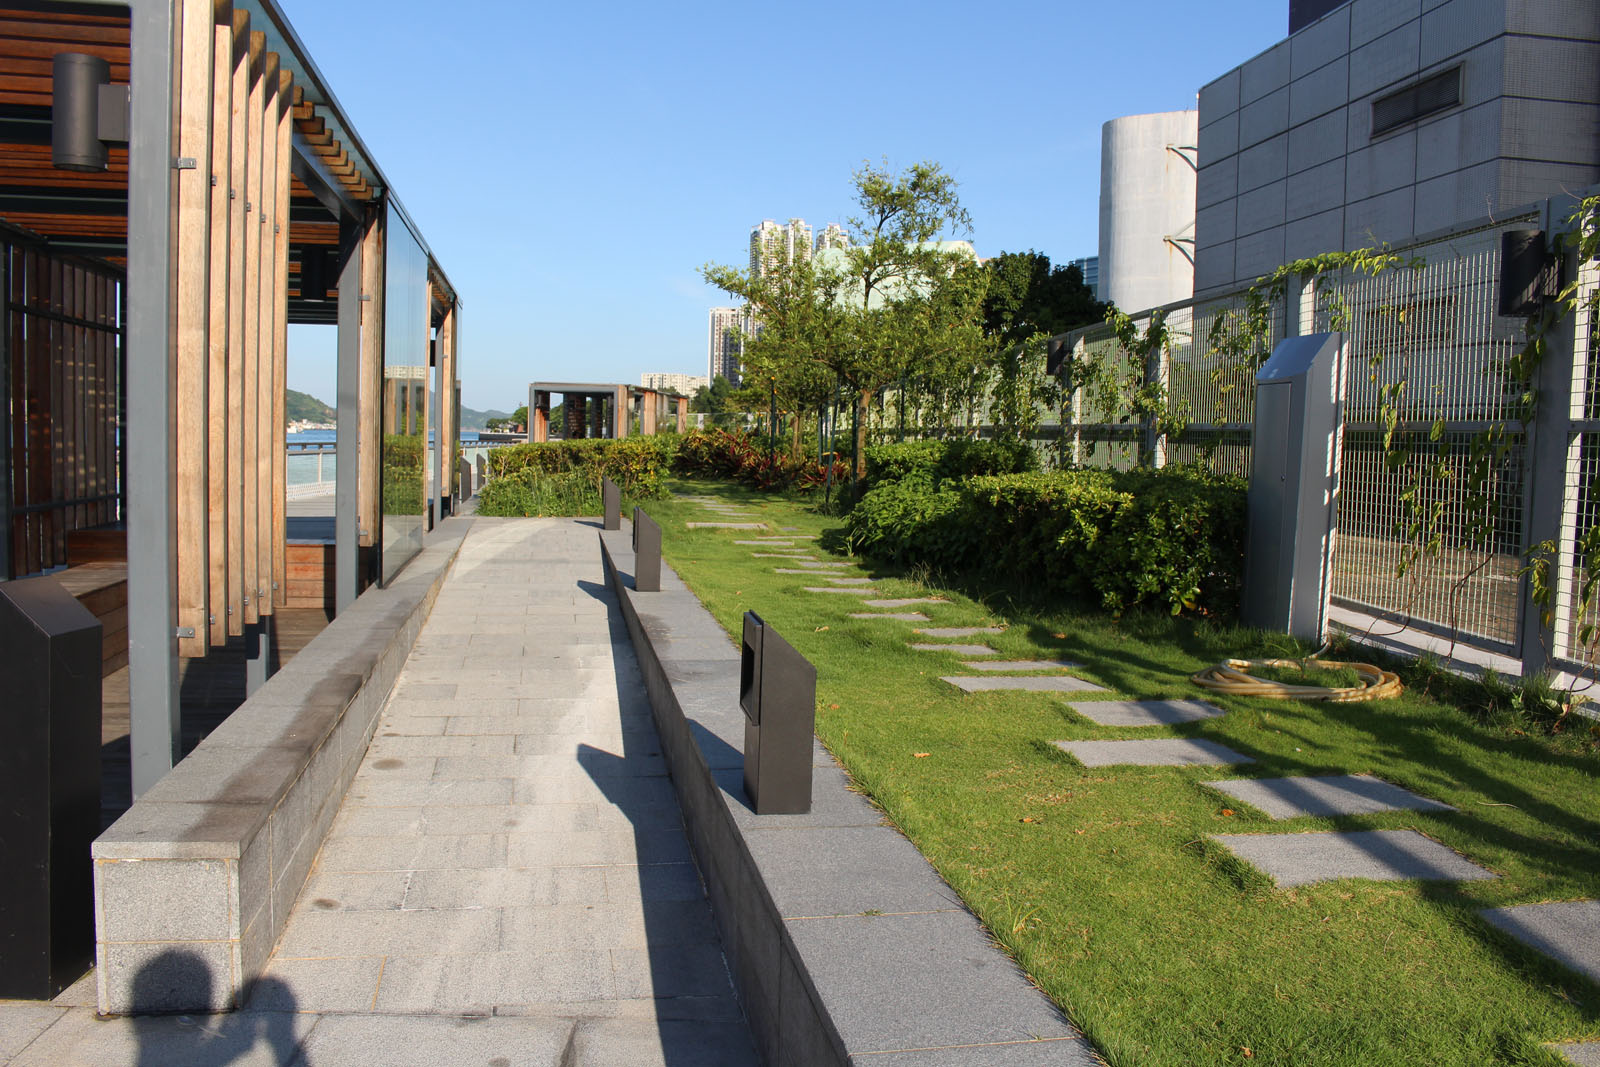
x=347 y=401
x=7 y=563
x=152 y=433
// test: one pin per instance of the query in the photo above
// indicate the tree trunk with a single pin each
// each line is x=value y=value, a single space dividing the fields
x=863 y=399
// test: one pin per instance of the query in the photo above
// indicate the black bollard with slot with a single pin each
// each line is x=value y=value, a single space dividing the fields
x=611 y=498
x=49 y=787
x=646 y=553
x=778 y=692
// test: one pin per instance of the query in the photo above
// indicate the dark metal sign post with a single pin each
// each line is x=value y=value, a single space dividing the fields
x=778 y=692
x=49 y=787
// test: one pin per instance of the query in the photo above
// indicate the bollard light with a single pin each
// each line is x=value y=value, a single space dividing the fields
x=611 y=499
x=778 y=692
x=646 y=553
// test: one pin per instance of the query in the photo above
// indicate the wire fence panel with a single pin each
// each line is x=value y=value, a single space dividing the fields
x=1575 y=626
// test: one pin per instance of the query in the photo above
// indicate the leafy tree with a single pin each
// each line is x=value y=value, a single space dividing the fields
x=714 y=400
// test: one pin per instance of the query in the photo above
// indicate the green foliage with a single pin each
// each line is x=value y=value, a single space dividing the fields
x=1173 y=538
x=735 y=455
x=518 y=417
x=527 y=492
x=936 y=462
x=1026 y=296
x=634 y=463
x=713 y=400
x=403 y=456
x=303 y=406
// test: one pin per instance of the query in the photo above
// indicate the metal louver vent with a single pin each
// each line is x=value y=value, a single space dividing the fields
x=1415 y=101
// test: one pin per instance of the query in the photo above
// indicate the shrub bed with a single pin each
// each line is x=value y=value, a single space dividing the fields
x=563 y=477
x=955 y=458
x=737 y=455
x=1173 y=537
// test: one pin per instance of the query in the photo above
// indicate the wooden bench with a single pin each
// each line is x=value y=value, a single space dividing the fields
x=102 y=587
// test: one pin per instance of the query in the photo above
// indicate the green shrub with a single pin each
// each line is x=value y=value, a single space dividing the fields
x=527 y=492
x=634 y=463
x=736 y=455
x=1173 y=538
x=401 y=478
x=946 y=460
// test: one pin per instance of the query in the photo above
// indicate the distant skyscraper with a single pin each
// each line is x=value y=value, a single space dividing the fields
x=1091 y=273
x=793 y=239
x=725 y=345
x=832 y=236
x=679 y=383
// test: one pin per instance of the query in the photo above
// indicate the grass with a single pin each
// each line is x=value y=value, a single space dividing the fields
x=1102 y=881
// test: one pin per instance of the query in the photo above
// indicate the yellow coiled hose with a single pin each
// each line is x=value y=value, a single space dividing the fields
x=1233 y=677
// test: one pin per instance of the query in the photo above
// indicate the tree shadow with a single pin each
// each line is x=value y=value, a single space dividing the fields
x=175 y=980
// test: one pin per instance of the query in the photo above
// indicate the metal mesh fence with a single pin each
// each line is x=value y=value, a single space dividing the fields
x=1575 y=622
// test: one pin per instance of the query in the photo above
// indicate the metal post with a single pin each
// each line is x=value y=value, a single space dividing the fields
x=153 y=710
x=347 y=400
x=7 y=563
x=257 y=654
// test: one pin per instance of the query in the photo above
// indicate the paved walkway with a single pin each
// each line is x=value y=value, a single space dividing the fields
x=508 y=881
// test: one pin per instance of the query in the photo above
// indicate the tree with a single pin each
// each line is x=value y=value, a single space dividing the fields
x=714 y=400
x=518 y=417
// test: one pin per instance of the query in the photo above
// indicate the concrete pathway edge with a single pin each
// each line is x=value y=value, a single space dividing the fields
x=825 y=975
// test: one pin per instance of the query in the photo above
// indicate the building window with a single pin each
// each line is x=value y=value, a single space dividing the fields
x=1417 y=101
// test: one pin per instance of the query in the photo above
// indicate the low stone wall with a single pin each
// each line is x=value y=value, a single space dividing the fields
x=842 y=940
x=195 y=882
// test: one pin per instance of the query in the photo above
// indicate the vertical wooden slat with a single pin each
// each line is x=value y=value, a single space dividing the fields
x=266 y=330
x=446 y=380
x=369 y=414
x=251 y=383
x=217 y=404
x=280 y=347
x=238 y=167
x=191 y=284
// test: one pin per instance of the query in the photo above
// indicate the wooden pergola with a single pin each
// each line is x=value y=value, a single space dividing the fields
x=143 y=363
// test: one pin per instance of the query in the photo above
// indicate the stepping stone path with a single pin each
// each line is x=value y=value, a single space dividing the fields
x=1378 y=855
x=1350 y=794
x=836 y=580
x=726 y=525
x=1023 y=665
x=1582 y=1053
x=1145 y=712
x=960 y=650
x=1156 y=752
x=959 y=631
x=899 y=616
x=832 y=589
x=1567 y=931
x=797 y=557
x=1061 y=683
x=768 y=544
x=903 y=601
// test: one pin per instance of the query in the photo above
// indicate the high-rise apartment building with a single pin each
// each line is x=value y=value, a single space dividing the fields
x=832 y=236
x=769 y=240
x=725 y=345
x=665 y=381
x=1090 y=268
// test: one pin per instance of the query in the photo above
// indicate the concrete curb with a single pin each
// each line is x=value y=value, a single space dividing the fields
x=195 y=882
x=845 y=945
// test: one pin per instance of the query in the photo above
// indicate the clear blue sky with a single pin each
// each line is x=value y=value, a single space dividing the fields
x=571 y=165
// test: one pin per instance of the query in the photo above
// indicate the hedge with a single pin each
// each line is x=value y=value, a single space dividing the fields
x=951 y=459
x=1173 y=537
x=737 y=455
x=563 y=477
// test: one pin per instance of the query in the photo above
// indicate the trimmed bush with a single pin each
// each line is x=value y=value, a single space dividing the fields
x=1173 y=537
x=634 y=463
x=951 y=459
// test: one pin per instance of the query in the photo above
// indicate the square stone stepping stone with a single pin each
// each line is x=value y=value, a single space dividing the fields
x=836 y=580
x=1567 y=931
x=787 y=557
x=840 y=589
x=821 y=564
x=1348 y=794
x=1376 y=855
x=902 y=601
x=960 y=650
x=959 y=631
x=899 y=616
x=768 y=544
x=1582 y=1053
x=1061 y=683
x=797 y=570
x=1156 y=752
x=726 y=525
x=1023 y=665
x=1145 y=712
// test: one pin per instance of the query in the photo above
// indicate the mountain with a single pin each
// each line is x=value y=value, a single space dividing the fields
x=305 y=406
x=475 y=420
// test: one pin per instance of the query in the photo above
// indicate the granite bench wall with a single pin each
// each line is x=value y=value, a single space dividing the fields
x=195 y=882
x=844 y=944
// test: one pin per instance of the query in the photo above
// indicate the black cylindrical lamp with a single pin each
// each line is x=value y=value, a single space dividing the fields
x=75 y=112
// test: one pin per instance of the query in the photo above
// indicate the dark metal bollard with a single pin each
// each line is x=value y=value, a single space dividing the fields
x=646 y=553
x=464 y=474
x=611 y=498
x=49 y=787
x=778 y=692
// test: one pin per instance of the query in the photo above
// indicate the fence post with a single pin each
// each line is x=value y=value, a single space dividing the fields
x=1549 y=454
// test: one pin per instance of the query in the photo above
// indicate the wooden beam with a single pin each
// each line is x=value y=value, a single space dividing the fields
x=217 y=485
x=266 y=335
x=445 y=441
x=280 y=347
x=369 y=418
x=192 y=265
x=251 y=382
x=238 y=168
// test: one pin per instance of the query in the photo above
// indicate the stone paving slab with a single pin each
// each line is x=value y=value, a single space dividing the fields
x=836 y=580
x=1376 y=855
x=1023 y=665
x=959 y=631
x=898 y=616
x=1145 y=712
x=1030 y=684
x=726 y=525
x=959 y=650
x=846 y=589
x=1567 y=931
x=902 y=602
x=1351 y=794
x=767 y=543
x=1156 y=752
x=1582 y=1053
x=796 y=556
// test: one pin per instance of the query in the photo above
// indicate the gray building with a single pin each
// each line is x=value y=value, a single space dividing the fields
x=1383 y=119
x=1147 y=199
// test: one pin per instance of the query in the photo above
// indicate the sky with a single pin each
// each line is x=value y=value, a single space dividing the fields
x=572 y=166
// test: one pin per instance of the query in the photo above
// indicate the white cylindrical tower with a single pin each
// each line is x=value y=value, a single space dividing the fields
x=1147 y=197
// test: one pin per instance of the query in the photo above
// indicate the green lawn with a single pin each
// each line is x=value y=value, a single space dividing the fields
x=1102 y=883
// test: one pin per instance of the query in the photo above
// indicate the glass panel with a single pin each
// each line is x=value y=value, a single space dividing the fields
x=405 y=391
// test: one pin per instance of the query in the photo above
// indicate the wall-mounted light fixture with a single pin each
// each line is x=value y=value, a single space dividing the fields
x=86 y=112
